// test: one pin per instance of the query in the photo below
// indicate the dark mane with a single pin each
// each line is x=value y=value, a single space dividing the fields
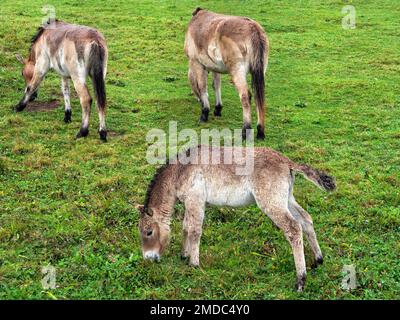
x=37 y=35
x=152 y=185
x=158 y=173
x=196 y=11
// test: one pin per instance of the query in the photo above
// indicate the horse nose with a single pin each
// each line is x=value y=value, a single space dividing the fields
x=151 y=255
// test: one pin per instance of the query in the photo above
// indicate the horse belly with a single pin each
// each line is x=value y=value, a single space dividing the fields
x=232 y=196
x=213 y=60
x=57 y=63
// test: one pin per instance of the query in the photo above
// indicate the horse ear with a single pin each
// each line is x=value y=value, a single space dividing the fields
x=141 y=210
x=20 y=58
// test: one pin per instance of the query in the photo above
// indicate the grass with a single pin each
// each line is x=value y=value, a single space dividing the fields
x=333 y=97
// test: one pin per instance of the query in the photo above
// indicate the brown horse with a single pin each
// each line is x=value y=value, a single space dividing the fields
x=74 y=52
x=197 y=183
x=228 y=44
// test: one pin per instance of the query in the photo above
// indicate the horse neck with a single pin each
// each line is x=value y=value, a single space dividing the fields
x=32 y=54
x=163 y=195
x=36 y=50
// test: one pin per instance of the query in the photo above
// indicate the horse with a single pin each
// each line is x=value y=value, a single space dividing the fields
x=74 y=52
x=197 y=183
x=228 y=44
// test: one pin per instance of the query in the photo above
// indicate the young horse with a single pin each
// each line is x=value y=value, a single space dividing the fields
x=74 y=52
x=227 y=44
x=270 y=186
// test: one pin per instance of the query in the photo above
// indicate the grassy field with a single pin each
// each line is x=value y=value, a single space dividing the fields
x=333 y=102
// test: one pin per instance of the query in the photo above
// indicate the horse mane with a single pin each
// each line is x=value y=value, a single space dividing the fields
x=158 y=173
x=151 y=186
x=37 y=35
x=196 y=11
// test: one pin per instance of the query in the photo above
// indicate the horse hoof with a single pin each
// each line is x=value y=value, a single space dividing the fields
x=260 y=136
x=184 y=257
x=19 y=107
x=300 y=283
x=103 y=135
x=67 y=116
x=82 y=133
x=260 y=133
x=204 y=115
x=317 y=262
x=217 y=111
x=299 y=288
x=246 y=132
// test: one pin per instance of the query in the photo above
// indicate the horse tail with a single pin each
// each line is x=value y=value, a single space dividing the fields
x=258 y=64
x=319 y=178
x=96 y=68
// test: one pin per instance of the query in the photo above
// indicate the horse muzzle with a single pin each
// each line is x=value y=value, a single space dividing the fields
x=151 y=255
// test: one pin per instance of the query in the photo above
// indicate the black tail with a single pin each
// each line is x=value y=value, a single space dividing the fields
x=319 y=178
x=96 y=69
x=258 y=64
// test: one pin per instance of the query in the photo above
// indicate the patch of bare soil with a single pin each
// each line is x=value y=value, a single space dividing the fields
x=37 y=106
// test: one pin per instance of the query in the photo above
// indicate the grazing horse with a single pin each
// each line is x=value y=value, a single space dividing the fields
x=198 y=182
x=74 y=52
x=227 y=44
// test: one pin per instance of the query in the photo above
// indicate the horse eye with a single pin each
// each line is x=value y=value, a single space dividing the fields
x=149 y=233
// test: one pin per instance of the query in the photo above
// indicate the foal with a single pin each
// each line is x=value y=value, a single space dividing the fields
x=227 y=44
x=270 y=186
x=74 y=52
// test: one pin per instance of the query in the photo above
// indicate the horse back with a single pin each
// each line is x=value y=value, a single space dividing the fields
x=220 y=37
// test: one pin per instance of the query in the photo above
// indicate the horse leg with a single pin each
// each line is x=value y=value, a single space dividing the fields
x=240 y=82
x=193 y=84
x=200 y=74
x=217 y=89
x=275 y=206
x=66 y=93
x=86 y=103
x=293 y=232
x=195 y=214
x=185 y=244
x=306 y=222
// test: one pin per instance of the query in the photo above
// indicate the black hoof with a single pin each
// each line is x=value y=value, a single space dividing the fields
x=317 y=262
x=217 y=111
x=67 y=116
x=82 y=133
x=260 y=133
x=204 y=115
x=103 y=135
x=33 y=96
x=300 y=283
x=246 y=131
x=184 y=258
x=19 y=107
